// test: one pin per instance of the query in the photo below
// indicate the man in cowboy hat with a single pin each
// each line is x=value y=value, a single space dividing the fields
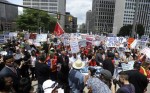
x=76 y=78
x=127 y=56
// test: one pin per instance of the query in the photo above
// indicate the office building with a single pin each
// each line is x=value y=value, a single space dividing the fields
x=8 y=15
x=55 y=6
x=102 y=16
x=125 y=12
x=70 y=23
x=89 y=21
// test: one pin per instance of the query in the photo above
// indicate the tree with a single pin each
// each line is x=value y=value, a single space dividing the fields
x=125 y=30
x=33 y=20
x=140 y=30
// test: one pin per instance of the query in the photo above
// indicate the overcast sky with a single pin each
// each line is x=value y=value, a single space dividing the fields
x=77 y=8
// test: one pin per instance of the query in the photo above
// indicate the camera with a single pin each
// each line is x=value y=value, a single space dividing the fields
x=115 y=81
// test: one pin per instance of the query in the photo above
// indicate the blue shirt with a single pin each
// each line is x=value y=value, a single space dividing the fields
x=76 y=81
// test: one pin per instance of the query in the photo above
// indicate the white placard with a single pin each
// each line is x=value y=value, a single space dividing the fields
x=2 y=39
x=82 y=43
x=74 y=46
x=41 y=37
x=13 y=34
x=115 y=41
x=127 y=66
x=146 y=51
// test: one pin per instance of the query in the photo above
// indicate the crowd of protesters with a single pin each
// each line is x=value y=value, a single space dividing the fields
x=58 y=70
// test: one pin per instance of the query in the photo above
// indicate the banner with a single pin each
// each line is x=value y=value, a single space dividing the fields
x=41 y=37
x=74 y=46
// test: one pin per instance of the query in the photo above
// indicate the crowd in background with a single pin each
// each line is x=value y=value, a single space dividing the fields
x=57 y=69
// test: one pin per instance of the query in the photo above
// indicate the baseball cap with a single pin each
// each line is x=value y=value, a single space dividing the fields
x=107 y=74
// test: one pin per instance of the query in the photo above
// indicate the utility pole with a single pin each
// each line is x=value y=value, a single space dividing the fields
x=135 y=18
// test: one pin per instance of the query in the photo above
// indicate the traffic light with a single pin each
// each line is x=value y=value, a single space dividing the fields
x=70 y=18
x=58 y=16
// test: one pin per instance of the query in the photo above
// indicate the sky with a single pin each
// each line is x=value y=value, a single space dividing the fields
x=77 y=8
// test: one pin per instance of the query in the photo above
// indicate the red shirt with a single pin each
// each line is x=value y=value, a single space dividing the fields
x=92 y=63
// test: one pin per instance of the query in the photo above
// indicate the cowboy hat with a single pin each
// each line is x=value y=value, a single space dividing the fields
x=78 y=64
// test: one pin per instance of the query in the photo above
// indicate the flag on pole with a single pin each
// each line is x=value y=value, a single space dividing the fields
x=58 y=30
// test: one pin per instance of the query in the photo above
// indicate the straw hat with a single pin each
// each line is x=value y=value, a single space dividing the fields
x=78 y=64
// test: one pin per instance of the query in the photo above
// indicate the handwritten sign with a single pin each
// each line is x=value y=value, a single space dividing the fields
x=127 y=66
x=115 y=41
x=82 y=43
x=41 y=37
x=74 y=46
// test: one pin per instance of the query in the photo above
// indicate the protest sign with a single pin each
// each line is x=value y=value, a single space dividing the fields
x=146 y=51
x=6 y=35
x=115 y=41
x=82 y=43
x=144 y=38
x=65 y=40
x=41 y=37
x=32 y=36
x=26 y=36
x=2 y=39
x=13 y=35
x=74 y=46
x=127 y=66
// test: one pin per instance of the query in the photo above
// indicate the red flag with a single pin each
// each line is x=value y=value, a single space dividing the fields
x=58 y=30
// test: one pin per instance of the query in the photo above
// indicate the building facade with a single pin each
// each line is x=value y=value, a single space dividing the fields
x=8 y=15
x=125 y=12
x=55 y=6
x=70 y=23
x=102 y=15
x=89 y=21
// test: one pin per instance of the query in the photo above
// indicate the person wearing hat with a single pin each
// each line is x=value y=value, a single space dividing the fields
x=50 y=86
x=94 y=84
x=76 y=78
x=127 y=56
x=106 y=77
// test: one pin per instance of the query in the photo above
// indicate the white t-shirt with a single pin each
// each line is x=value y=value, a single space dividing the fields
x=33 y=60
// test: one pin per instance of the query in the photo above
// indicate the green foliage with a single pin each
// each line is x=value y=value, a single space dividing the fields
x=33 y=19
x=125 y=30
x=140 y=30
